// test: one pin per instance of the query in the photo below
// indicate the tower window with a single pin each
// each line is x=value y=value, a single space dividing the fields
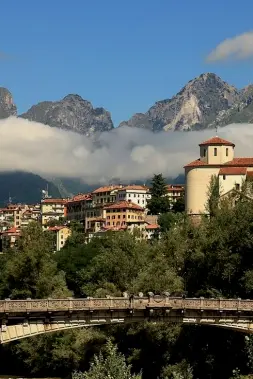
x=224 y=177
x=215 y=151
x=226 y=152
x=204 y=152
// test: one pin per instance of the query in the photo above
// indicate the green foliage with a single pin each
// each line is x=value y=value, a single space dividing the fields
x=180 y=370
x=159 y=202
x=30 y=271
x=55 y=222
x=179 y=205
x=213 y=196
x=117 y=262
x=211 y=259
x=111 y=366
x=60 y=353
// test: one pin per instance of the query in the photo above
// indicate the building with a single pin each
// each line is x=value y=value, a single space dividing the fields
x=9 y=238
x=24 y=214
x=175 y=192
x=78 y=206
x=125 y=214
x=135 y=193
x=216 y=159
x=52 y=209
x=151 y=230
x=61 y=234
x=105 y=195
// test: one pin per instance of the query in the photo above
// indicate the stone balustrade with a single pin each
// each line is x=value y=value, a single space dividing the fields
x=123 y=303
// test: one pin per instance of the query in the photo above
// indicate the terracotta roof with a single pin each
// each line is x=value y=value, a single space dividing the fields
x=249 y=173
x=79 y=197
x=197 y=162
x=107 y=188
x=12 y=230
x=175 y=187
x=216 y=141
x=152 y=226
x=56 y=228
x=233 y=170
x=125 y=204
x=236 y=162
x=247 y=162
x=54 y=201
x=7 y=210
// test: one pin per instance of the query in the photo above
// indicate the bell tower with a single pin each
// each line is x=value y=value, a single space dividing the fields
x=216 y=151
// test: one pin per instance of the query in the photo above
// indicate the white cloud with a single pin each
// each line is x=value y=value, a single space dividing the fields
x=238 y=47
x=125 y=153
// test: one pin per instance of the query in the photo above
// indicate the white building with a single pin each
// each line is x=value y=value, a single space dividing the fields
x=135 y=193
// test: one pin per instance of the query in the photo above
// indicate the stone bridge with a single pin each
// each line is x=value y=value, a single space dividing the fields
x=26 y=318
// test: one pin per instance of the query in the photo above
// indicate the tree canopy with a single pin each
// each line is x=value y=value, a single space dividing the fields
x=211 y=259
x=159 y=202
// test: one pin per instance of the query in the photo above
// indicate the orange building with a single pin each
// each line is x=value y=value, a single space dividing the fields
x=124 y=213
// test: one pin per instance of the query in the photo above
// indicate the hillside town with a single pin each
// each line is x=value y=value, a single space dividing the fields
x=118 y=208
x=109 y=208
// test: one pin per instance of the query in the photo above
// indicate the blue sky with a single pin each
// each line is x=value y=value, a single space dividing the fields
x=120 y=54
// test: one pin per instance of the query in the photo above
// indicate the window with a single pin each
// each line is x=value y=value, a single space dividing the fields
x=118 y=216
x=204 y=152
x=227 y=152
x=113 y=217
x=124 y=216
x=237 y=186
x=215 y=151
x=224 y=177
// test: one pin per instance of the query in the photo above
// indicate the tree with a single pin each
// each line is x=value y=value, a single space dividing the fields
x=111 y=365
x=180 y=370
x=159 y=202
x=213 y=196
x=179 y=205
x=59 y=353
x=30 y=270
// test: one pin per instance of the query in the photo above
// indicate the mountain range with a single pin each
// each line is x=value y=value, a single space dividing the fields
x=204 y=102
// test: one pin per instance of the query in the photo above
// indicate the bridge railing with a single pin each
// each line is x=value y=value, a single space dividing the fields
x=54 y=305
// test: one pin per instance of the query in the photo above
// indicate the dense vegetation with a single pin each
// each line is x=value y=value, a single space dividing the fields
x=213 y=258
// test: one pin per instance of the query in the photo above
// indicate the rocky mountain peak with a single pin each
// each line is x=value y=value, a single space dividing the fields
x=194 y=106
x=7 y=106
x=71 y=113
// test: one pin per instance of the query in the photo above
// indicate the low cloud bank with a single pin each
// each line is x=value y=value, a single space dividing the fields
x=125 y=153
x=237 y=48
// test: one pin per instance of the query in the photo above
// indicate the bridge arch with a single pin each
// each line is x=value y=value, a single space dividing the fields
x=26 y=318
